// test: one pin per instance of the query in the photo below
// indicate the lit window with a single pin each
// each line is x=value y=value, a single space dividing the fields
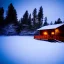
x=45 y=33
x=52 y=33
x=57 y=30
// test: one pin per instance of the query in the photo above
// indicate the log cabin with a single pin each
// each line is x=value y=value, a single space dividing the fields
x=51 y=32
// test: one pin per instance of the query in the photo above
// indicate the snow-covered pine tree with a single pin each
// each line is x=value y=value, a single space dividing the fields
x=11 y=21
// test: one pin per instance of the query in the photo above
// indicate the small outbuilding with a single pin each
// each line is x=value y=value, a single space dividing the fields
x=55 y=32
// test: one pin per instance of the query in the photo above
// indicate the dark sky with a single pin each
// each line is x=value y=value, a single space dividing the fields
x=53 y=9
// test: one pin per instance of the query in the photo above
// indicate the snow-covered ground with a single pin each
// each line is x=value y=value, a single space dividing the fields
x=26 y=50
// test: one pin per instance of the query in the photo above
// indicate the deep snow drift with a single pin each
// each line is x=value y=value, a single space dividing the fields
x=26 y=50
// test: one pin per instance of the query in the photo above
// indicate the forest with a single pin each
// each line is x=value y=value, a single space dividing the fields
x=26 y=25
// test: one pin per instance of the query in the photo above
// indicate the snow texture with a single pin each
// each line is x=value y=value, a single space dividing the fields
x=50 y=26
x=10 y=29
x=27 y=32
x=27 y=50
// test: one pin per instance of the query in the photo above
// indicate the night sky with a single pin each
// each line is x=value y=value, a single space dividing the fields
x=53 y=9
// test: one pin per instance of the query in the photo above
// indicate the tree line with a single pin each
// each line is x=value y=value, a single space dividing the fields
x=27 y=22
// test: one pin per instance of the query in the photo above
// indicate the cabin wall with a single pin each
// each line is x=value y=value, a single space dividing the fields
x=48 y=31
x=61 y=31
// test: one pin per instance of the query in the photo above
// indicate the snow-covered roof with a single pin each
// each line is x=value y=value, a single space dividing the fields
x=50 y=26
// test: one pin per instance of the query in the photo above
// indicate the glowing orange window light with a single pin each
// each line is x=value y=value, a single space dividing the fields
x=52 y=33
x=45 y=33
x=57 y=30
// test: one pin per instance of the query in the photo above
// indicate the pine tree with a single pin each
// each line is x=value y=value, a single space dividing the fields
x=1 y=20
x=11 y=22
x=1 y=17
x=11 y=16
x=34 y=16
x=45 y=22
x=25 y=18
x=58 y=21
x=29 y=22
x=55 y=22
x=40 y=16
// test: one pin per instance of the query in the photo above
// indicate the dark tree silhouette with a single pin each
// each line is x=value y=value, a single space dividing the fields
x=25 y=21
x=21 y=22
x=58 y=21
x=45 y=22
x=1 y=20
x=55 y=22
x=1 y=17
x=25 y=18
x=29 y=22
x=34 y=17
x=40 y=16
x=11 y=16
